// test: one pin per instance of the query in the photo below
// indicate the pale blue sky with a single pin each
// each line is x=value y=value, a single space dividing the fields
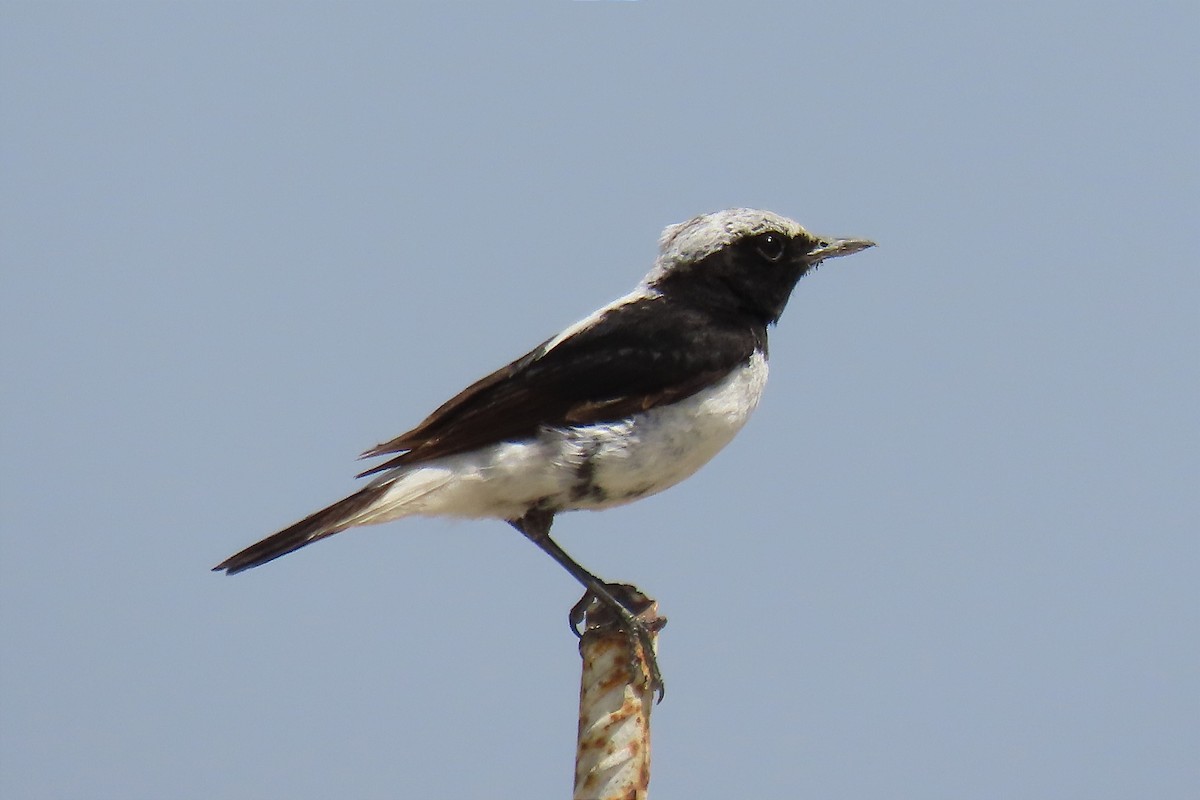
x=953 y=555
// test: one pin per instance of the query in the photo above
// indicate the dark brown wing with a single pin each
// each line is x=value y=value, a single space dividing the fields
x=433 y=435
x=634 y=358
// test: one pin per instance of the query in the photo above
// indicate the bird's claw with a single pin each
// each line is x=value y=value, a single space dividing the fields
x=640 y=636
x=629 y=602
x=579 y=613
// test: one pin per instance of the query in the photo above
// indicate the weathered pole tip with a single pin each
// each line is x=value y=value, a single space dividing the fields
x=616 y=695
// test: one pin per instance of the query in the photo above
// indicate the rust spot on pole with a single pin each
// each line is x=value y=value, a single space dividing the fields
x=615 y=698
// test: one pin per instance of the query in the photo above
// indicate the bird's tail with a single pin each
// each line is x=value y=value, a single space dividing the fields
x=326 y=522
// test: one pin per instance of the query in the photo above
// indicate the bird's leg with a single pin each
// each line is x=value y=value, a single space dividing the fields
x=535 y=525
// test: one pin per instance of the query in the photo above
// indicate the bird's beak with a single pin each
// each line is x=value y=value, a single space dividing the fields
x=832 y=248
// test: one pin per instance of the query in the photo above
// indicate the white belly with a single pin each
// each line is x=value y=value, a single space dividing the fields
x=591 y=466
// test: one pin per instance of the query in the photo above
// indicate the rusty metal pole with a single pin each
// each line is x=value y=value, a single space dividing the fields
x=612 y=760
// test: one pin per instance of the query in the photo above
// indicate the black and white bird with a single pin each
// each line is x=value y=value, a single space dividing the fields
x=621 y=405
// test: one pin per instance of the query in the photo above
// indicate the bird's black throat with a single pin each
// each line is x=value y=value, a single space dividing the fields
x=739 y=283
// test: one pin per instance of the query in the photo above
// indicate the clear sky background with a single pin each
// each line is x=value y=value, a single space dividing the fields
x=954 y=555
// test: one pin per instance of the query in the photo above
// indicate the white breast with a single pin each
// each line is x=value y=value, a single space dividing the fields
x=661 y=447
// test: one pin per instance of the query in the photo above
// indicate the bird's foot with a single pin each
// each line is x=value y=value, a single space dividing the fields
x=626 y=604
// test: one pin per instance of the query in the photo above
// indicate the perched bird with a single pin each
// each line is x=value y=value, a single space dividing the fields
x=621 y=405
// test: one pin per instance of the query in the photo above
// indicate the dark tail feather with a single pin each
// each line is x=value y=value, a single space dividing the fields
x=325 y=522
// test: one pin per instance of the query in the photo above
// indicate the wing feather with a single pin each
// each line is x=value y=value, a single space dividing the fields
x=635 y=357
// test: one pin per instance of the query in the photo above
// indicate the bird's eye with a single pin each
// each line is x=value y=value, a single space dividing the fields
x=771 y=246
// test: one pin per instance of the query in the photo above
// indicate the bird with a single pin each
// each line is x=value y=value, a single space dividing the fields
x=621 y=405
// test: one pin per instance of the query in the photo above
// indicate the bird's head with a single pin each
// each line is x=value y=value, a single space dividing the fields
x=741 y=260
